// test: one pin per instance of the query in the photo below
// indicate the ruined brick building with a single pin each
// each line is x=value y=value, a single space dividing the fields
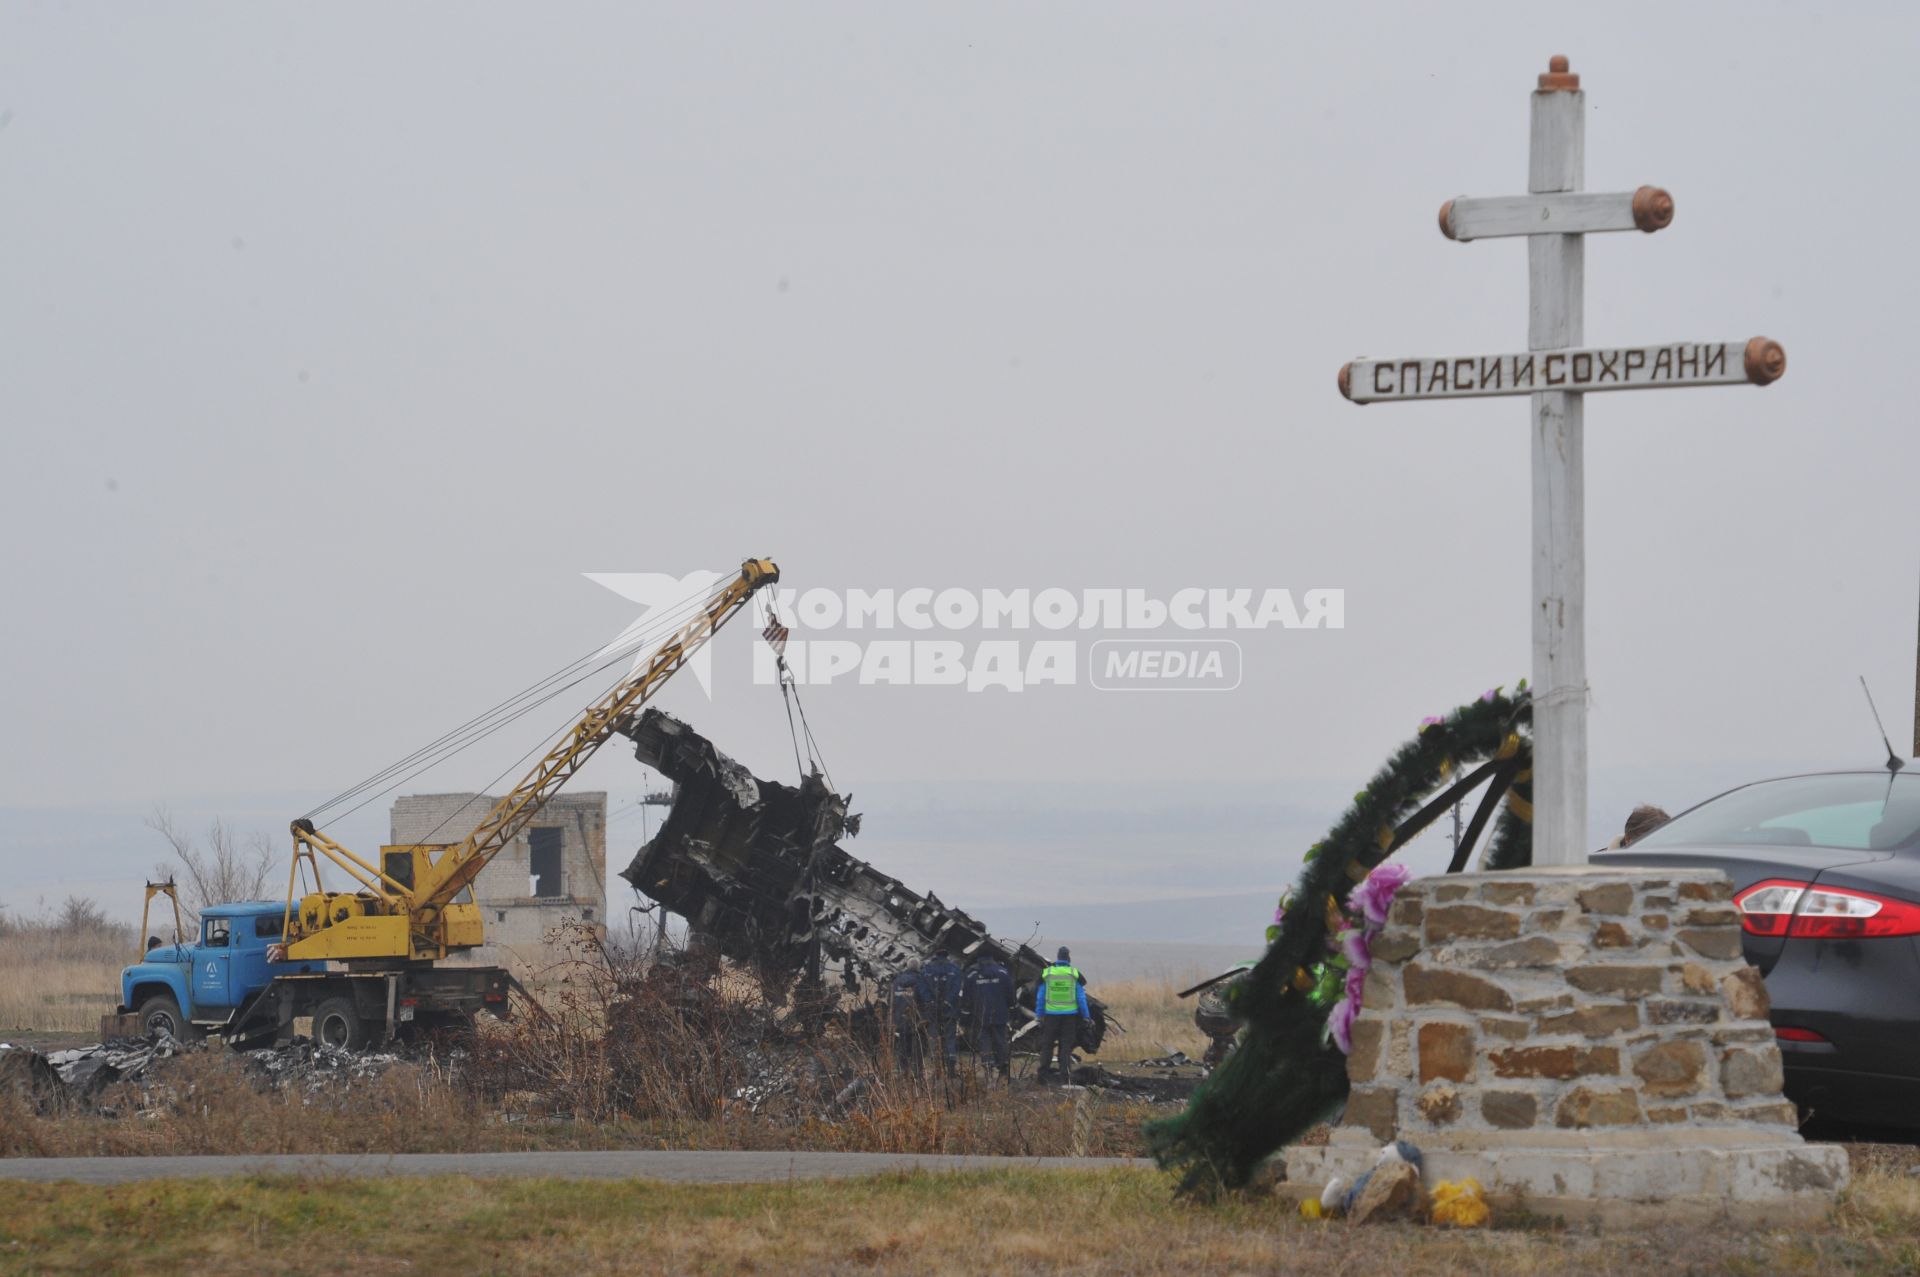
x=554 y=872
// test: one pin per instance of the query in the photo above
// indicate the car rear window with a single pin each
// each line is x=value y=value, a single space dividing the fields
x=1852 y=811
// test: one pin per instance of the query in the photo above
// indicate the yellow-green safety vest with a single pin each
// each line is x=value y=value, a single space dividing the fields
x=1063 y=989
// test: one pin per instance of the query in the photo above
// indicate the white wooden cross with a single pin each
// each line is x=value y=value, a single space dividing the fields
x=1557 y=371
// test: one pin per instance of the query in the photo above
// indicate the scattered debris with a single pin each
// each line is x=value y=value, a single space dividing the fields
x=82 y=1075
x=90 y=1070
x=782 y=1073
x=313 y=1065
x=1160 y=1081
x=1172 y=1060
x=756 y=869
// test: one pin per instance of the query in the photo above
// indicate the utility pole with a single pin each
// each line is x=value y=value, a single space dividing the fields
x=1916 y=697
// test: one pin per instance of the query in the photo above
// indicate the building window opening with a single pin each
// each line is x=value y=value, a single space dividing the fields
x=543 y=863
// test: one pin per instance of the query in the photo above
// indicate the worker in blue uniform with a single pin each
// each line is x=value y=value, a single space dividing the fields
x=986 y=1000
x=912 y=999
x=943 y=987
x=1060 y=1003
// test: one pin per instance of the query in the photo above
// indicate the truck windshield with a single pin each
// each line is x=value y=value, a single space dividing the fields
x=1856 y=811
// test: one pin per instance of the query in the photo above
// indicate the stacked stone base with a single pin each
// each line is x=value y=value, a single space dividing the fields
x=1585 y=1042
x=1617 y=1178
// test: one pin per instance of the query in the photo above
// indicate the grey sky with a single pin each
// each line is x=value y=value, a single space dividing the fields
x=341 y=340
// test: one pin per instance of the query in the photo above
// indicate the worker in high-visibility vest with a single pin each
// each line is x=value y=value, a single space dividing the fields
x=1060 y=1003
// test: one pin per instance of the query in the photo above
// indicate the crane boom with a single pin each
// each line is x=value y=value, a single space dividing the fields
x=408 y=907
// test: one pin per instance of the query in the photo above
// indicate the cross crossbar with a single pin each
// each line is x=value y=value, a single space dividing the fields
x=1648 y=209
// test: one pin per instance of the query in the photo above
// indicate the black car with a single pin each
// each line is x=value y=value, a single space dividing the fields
x=1826 y=876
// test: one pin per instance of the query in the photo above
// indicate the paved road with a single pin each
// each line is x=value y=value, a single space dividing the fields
x=693 y=1168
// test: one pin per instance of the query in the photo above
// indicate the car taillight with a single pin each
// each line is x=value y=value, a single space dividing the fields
x=1799 y=910
x=1798 y=1035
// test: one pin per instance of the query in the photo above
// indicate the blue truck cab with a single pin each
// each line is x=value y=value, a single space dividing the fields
x=184 y=989
x=226 y=982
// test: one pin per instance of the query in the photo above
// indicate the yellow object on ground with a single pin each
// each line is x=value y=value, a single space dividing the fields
x=1459 y=1204
x=1310 y=1209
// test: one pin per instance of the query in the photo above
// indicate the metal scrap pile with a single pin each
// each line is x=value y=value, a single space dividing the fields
x=90 y=1070
x=311 y=1066
x=757 y=870
x=60 y=1079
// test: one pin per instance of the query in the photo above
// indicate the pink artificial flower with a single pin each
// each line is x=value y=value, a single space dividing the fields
x=1340 y=1024
x=1340 y=1019
x=1487 y=696
x=1356 y=946
x=1431 y=720
x=1374 y=896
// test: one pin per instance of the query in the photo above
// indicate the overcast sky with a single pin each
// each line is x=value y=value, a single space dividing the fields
x=340 y=341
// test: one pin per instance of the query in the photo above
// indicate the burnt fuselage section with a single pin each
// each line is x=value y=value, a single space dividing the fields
x=757 y=870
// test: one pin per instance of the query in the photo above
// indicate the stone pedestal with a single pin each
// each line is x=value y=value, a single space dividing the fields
x=1585 y=1042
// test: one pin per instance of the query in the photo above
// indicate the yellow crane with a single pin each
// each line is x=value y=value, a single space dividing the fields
x=366 y=962
x=408 y=908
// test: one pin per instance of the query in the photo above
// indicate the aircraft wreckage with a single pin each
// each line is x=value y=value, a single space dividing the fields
x=757 y=870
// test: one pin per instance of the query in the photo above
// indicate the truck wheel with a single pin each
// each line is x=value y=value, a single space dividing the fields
x=161 y=1014
x=337 y=1022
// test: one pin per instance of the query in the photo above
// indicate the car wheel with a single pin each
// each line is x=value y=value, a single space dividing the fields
x=161 y=1014
x=337 y=1022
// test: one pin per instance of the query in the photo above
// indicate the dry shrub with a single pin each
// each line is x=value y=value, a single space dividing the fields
x=676 y=1036
x=78 y=931
x=66 y=966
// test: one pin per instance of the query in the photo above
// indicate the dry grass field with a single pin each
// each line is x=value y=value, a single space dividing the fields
x=1109 y=1223
x=60 y=971
x=1156 y=1021
x=208 y=1102
x=611 y=1061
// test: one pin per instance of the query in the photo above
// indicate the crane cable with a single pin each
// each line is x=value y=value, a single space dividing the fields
x=776 y=636
x=491 y=720
x=460 y=740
